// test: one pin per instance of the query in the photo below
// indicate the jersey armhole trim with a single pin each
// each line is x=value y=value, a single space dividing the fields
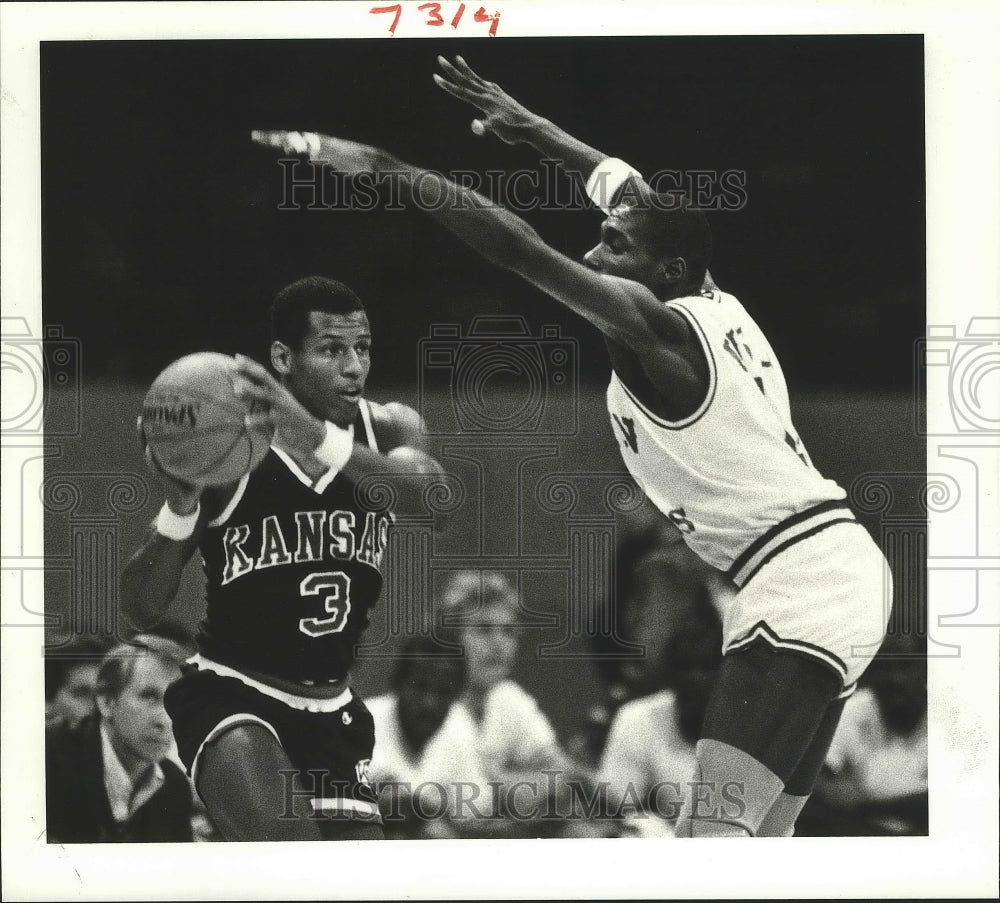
x=366 y=418
x=241 y=487
x=224 y=725
x=848 y=691
x=712 y=380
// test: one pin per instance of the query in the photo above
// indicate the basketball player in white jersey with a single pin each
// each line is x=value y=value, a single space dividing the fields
x=699 y=405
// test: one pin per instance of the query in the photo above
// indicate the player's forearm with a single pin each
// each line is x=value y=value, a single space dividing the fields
x=406 y=469
x=151 y=579
x=506 y=240
x=574 y=157
x=490 y=230
x=603 y=176
x=357 y=461
x=365 y=462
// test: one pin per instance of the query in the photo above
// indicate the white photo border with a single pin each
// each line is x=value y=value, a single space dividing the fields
x=963 y=235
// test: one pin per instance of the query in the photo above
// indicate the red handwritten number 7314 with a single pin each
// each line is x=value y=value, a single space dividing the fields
x=434 y=17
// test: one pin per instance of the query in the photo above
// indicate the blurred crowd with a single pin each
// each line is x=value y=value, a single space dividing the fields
x=463 y=750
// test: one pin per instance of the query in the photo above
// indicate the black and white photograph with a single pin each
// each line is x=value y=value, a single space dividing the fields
x=549 y=431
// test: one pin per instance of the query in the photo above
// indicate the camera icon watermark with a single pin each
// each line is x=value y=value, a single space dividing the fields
x=498 y=378
x=967 y=401
x=42 y=381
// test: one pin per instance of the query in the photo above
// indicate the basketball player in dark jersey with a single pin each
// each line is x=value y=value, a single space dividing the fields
x=277 y=744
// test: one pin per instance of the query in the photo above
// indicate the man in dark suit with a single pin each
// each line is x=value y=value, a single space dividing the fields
x=109 y=778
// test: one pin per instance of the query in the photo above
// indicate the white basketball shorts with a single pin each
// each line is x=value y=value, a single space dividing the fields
x=828 y=596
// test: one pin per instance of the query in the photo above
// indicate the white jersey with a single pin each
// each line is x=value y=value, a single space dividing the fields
x=734 y=477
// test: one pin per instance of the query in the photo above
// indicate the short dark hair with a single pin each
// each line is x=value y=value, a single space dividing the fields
x=676 y=227
x=58 y=664
x=680 y=230
x=118 y=666
x=291 y=307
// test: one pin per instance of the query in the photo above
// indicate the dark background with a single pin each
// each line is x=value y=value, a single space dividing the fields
x=161 y=236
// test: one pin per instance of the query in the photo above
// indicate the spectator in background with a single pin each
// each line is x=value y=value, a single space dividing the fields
x=650 y=753
x=875 y=778
x=109 y=778
x=659 y=585
x=411 y=752
x=670 y=587
x=70 y=679
x=512 y=738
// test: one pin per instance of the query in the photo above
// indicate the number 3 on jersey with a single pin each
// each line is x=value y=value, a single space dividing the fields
x=337 y=602
x=627 y=426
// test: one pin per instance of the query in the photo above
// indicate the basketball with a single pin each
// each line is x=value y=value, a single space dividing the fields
x=194 y=424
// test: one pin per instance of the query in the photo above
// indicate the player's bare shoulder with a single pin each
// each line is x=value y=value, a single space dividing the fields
x=668 y=369
x=401 y=435
x=396 y=425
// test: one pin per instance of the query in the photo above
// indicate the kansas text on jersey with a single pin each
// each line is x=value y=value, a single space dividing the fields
x=292 y=569
x=734 y=476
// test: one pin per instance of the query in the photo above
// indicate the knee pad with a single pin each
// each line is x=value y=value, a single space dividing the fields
x=780 y=821
x=730 y=794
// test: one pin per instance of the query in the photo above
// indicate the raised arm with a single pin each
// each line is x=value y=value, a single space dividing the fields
x=626 y=311
x=608 y=180
x=514 y=123
x=602 y=175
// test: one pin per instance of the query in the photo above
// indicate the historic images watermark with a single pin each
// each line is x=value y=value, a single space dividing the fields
x=43 y=412
x=539 y=411
x=957 y=412
x=310 y=186
x=503 y=405
x=552 y=797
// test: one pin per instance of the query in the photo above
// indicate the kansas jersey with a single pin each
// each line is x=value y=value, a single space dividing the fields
x=293 y=568
x=734 y=476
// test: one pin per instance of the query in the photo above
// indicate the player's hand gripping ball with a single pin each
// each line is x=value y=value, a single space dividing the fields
x=421 y=463
x=197 y=429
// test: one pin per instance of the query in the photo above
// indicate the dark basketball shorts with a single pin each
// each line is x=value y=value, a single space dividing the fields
x=330 y=750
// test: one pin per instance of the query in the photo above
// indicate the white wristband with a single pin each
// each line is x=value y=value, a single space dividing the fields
x=176 y=526
x=291 y=142
x=335 y=450
x=312 y=144
x=607 y=178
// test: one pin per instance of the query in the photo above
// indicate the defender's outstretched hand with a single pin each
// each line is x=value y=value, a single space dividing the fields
x=504 y=116
x=345 y=156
